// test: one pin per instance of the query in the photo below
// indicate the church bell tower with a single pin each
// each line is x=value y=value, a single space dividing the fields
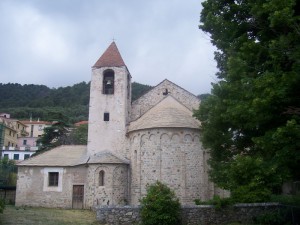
x=110 y=101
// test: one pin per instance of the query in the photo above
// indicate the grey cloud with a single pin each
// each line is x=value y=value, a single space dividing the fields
x=56 y=42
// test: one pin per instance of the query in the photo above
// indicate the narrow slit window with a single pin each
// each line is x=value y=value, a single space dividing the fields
x=106 y=117
x=101 y=178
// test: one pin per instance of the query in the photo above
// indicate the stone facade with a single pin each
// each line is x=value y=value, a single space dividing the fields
x=33 y=189
x=130 y=146
x=108 y=135
x=114 y=190
x=155 y=95
x=172 y=155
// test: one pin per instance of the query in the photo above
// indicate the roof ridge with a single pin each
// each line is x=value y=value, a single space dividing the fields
x=110 y=58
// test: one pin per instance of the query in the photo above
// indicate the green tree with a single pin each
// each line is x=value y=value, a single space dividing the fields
x=79 y=135
x=203 y=96
x=55 y=135
x=252 y=114
x=138 y=90
x=8 y=172
x=160 y=206
x=39 y=101
x=2 y=205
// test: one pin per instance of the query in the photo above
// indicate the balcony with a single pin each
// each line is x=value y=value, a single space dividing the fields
x=24 y=133
x=33 y=148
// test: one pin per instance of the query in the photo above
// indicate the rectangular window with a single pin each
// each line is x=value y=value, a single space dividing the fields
x=24 y=142
x=53 y=179
x=31 y=131
x=6 y=156
x=106 y=116
x=16 y=156
x=26 y=156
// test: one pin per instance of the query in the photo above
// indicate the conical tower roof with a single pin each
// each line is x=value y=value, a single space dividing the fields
x=110 y=58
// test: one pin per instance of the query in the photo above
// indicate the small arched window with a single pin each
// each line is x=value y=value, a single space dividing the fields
x=108 y=82
x=101 y=178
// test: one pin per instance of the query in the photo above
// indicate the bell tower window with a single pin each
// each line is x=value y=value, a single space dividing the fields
x=108 y=82
x=106 y=117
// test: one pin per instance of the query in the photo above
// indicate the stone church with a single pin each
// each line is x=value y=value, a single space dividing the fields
x=130 y=145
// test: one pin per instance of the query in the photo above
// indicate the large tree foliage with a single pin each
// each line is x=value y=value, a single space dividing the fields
x=138 y=90
x=79 y=135
x=251 y=120
x=8 y=172
x=39 y=101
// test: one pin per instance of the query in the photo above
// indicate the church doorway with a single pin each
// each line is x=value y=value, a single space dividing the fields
x=77 y=198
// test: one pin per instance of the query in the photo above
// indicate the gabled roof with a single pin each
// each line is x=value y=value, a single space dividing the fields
x=65 y=155
x=168 y=113
x=110 y=58
x=155 y=95
x=71 y=155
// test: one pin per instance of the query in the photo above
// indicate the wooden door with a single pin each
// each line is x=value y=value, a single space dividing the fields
x=77 y=200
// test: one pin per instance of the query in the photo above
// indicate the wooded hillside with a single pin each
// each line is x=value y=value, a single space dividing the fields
x=39 y=101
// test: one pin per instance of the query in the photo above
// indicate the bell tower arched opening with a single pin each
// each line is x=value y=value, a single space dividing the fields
x=108 y=82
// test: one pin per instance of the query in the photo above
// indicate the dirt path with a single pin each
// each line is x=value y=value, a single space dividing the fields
x=43 y=216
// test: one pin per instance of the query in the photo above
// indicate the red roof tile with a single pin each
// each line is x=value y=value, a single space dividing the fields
x=81 y=123
x=110 y=58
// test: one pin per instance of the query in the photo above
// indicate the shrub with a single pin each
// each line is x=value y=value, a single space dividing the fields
x=217 y=201
x=293 y=200
x=271 y=218
x=160 y=206
x=251 y=194
x=2 y=205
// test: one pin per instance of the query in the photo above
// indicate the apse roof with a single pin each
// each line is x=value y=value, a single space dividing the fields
x=106 y=157
x=168 y=113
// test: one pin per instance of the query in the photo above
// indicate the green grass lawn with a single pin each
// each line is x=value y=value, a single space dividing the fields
x=43 y=216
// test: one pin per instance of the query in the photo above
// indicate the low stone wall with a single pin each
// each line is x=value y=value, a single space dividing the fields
x=191 y=215
x=118 y=215
x=242 y=213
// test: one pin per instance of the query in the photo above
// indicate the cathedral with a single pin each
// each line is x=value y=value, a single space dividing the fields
x=130 y=146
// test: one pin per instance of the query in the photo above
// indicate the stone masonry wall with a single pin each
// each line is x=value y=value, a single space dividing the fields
x=33 y=190
x=190 y=215
x=174 y=156
x=115 y=188
x=155 y=95
x=108 y=135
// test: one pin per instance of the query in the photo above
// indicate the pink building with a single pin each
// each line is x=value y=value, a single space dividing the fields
x=35 y=130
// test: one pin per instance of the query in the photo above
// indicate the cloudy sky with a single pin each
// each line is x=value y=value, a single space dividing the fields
x=55 y=42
